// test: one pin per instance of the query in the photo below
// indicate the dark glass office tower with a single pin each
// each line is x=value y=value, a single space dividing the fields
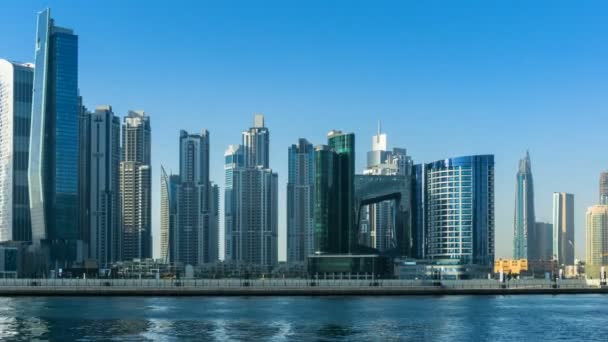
x=524 y=246
x=334 y=194
x=54 y=149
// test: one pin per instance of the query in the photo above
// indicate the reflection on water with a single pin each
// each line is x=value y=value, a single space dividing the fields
x=462 y=318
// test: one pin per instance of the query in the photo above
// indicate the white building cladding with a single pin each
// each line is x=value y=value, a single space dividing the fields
x=300 y=201
x=459 y=209
x=16 y=81
x=251 y=200
x=135 y=187
x=102 y=147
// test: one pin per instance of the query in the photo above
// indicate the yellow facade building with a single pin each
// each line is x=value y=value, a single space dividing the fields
x=511 y=266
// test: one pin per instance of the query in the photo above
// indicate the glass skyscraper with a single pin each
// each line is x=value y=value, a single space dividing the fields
x=15 y=111
x=54 y=149
x=524 y=246
x=251 y=200
x=458 y=209
x=300 y=201
x=99 y=192
x=195 y=237
x=334 y=194
x=563 y=228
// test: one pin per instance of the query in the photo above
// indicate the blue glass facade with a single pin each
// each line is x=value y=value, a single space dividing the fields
x=524 y=246
x=300 y=201
x=54 y=148
x=457 y=216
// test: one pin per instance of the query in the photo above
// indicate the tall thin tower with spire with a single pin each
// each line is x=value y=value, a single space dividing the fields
x=524 y=220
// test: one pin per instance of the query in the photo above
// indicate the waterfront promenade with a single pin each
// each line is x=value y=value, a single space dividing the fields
x=288 y=287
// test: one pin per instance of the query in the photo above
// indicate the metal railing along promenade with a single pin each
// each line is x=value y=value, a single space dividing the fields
x=291 y=283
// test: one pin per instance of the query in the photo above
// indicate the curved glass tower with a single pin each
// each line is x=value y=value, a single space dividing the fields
x=54 y=151
x=335 y=194
x=524 y=221
x=459 y=209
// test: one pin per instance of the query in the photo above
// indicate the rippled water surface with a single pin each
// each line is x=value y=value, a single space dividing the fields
x=449 y=318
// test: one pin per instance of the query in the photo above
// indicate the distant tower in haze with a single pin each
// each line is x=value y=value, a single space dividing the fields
x=135 y=187
x=524 y=246
x=378 y=222
x=597 y=235
x=563 y=228
x=604 y=188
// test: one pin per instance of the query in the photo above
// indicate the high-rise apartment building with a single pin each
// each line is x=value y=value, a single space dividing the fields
x=524 y=246
x=458 y=202
x=300 y=201
x=168 y=211
x=53 y=170
x=597 y=235
x=100 y=150
x=135 y=187
x=256 y=144
x=251 y=200
x=543 y=241
x=563 y=228
x=334 y=194
x=604 y=188
x=378 y=224
x=196 y=236
x=16 y=81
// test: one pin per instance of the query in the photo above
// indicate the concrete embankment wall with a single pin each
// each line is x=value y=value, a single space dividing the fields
x=287 y=287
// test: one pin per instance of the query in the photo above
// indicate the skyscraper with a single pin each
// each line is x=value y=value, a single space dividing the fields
x=543 y=240
x=256 y=144
x=563 y=228
x=195 y=238
x=16 y=82
x=604 y=188
x=135 y=187
x=251 y=208
x=524 y=223
x=459 y=209
x=54 y=149
x=234 y=161
x=168 y=212
x=300 y=201
x=101 y=185
x=597 y=235
x=334 y=194
x=378 y=222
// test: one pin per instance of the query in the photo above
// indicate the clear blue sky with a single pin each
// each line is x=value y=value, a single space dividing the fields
x=447 y=78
